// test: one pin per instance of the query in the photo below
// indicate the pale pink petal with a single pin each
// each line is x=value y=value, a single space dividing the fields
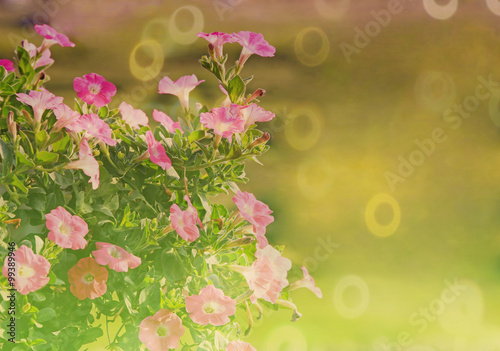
x=157 y=152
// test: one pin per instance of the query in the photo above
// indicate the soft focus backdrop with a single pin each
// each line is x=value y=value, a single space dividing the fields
x=385 y=162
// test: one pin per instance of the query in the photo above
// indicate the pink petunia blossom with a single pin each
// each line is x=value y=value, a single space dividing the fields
x=157 y=152
x=52 y=37
x=223 y=122
x=254 y=113
x=133 y=117
x=30 y=270
x=166 y=121
x=256 y=212
x=180 y=88
x=39 y=101
x=218 y=39
x=115 y=257
x=253 y=43
x=161 y=331
x=307 y=282
x=238 y=345
x=211 y=306
x=87 y=163
x=66 y=117
x=184 y=222
x=8 y=65
x=66 y=230
x=95 y=127
x=94 y=89
x=267 y=275
x=43 y=60
x=87 y=279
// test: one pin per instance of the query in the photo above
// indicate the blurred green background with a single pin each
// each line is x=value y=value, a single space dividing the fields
x=403 y=240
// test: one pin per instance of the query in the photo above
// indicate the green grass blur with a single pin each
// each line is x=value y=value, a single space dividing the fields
x=340 y=128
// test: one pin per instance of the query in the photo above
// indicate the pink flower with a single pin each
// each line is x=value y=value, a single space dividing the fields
x=133 y=117
x=184 y=222
x=267 y=275
x=8 y=64
x=254 y=113
x=87 y=163
x=87 y=279
x=95 y=127
x=115 y=257
x=180 y=88
x=218 y=39
x=211 y=306
x=253 y=43
x=43 y=60
x=30 y=270
x=66 y=117
x=39 y=101
x=166 y=121
x=255 y=212
x=223 y=122
x=161 y=331
x=307 y=282
x=52 y=36
x=157 y=152
x=94 y=89
x=66 y=230
x=238 y=345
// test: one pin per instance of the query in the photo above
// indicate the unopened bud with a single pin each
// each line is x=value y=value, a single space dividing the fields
x=211 y=51
x=11 y=125
x=261 y=140
x=27 y=117
x=121 y=155
x=240 y=242
x=16 y=222
x=96 y=152
x=258 y=93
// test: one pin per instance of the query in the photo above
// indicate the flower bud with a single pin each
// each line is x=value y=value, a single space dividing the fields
x=263 y=139
x=258 y=93
x=121 y=155
x=11 y=125
x=240 y=242
x=27 y=117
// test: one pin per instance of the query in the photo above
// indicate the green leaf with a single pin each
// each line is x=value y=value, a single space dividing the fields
x=12 y=179
x=236 y=89
x=46 y=157
x=175 y=267
x=65 y=178
x=197 y=135
x=103 y=112
x=60 y=145
x=45 y=314
x=6 y=89
x=197 y=335
x=41 y=137
x=22 y=159
x=205 y=346
x=34 y=342
x=90 y=335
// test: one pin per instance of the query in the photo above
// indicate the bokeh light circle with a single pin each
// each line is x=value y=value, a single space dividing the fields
x=441 y=12
x=315 y=58
x=288 y=336
x=150 y=32
x=315 y=177
x=189 y=36
x=494 y=6
x=464 y=315
x=328 y=10
x=296 y=136
x=377 y=229
x=435 y=91
x=351 y=281
x=150 y=71
x=494 y=108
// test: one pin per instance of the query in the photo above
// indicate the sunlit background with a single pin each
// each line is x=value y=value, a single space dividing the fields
x=385 y=162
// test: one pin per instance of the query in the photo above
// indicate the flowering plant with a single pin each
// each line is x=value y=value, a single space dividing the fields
x=108 y=217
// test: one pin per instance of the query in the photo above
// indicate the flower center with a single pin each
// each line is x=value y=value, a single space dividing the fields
x=94 y=89
x=162 y=330
x=26 y=272
x=64 y=229
x=115 y=253
x=88 y=278
x=210 y=307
